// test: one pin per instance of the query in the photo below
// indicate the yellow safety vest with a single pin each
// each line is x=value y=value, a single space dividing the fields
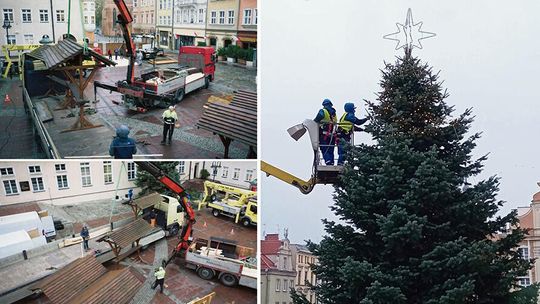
x=160 y=274
x=327 y=118
x=169 y=114
x=345 y=124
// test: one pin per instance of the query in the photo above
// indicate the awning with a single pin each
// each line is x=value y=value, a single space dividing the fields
x=247 y=39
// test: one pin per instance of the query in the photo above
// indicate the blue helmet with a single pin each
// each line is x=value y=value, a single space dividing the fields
x=122 y=131
x=349 y=107
x=327 y=102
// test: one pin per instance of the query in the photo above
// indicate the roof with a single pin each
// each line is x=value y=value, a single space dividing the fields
x=237 y=120
x=117 y=286
x=270 y=247
x=301 y=247
x=68 y=282
x=536 y=197
x=148 y=200
x=266 y=263
x=54 y=55
x=130 y=233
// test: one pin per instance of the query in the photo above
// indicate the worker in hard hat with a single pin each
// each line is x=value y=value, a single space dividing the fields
x=326 y=118
x=122 y=146
x=348 y=123
x=159 y=273
x=169 y=121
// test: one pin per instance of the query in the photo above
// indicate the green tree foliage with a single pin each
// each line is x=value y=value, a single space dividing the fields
x=99 y=12
x=149 y=184
x=411 y=230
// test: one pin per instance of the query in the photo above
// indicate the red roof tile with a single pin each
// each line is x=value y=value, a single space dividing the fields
x=266 y=263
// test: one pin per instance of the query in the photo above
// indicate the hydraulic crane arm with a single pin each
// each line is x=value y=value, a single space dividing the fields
x=124 y=18
x=175 y=187
x=304 y=186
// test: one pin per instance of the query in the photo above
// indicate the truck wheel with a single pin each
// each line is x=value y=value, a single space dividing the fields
x=246 y=222
x=206 y=273
x=179 y=95
x=228 y=280
x=207 y=82
x=174 y=230
x=215 y=212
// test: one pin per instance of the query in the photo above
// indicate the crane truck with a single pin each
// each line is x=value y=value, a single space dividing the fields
x=207 y=262
x=161 y=87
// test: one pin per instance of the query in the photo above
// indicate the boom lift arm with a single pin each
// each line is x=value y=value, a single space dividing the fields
x=175 y=187
x=304 y=186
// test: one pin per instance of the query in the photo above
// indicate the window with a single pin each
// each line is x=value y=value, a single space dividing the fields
x=34 y=169
x=86 y=19
x=225 y=172
x=213 y=17
x=305 y=277
x=221 y=17
x=60 y=167
x=28 y=38
x=43 y=15
x=278 y=284
x=255 y=16
x=60 y=16
x=8 y=14
x=169 y=20
x=231 y=17
x=160 y=4
x=26 y=15
x=182 y=167
x=10 y=186
x=285 y=285
x=134 y=3
x=524 y=281
x=134 y=19
x=86 y=179
x=6 y=171
x=37 y=184
x=107 y=172
x=201 y=15
x=524 y=252
x=247 y=17
x=236 y=173
x=292 y=284
x=92 y=19
x=284 y=267
x=11 y=39
x=131 y=171
x=249 y=175
x=62 y=182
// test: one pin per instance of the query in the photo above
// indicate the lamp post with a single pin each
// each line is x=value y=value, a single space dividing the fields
x=215 y=166
x=7 y=26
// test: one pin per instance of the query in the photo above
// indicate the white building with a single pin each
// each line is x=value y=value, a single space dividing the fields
x=234 y=173
x=89 y=15
x=31 y=19
x=65 y=182
x=188 y=21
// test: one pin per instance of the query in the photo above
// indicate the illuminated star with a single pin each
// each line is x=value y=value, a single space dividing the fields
x=410 y=33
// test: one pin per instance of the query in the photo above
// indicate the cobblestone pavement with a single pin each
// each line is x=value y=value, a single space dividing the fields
x=146 y=293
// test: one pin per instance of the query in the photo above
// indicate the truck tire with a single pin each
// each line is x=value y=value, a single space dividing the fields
x=206 y=273
x=179 y=95
x=207 y=82
x=228 y=279
x=174 y=229
x=216 y=212
x=246 y=222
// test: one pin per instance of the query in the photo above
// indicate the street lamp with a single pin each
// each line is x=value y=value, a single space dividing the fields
x=215 y=166
x=45 y=40
x=7 y=26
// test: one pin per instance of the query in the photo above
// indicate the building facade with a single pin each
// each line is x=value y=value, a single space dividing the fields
x=302 y=261
x=89 y=18
x=164 y=23
x=247 y=25
x=222 y=22
x=143 y=17
x=65 y=182
x=31 y=20
x=235 y=173
x=277 y=273
x=529 y=218
x=109 y=16
x=181 y=22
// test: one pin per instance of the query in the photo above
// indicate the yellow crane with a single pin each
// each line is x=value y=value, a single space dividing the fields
x=320 y=174
x=19 y=48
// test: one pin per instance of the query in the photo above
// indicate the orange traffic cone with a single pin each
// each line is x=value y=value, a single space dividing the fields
x=7 y=99
x=232 y=231
x=204 y=225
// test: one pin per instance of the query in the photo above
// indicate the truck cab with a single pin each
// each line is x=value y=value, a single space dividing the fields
x=169 y=214
x=201 y=57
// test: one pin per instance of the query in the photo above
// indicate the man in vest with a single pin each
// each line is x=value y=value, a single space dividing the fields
x=326 y=118
x=347 y=125
x=160 y=278
x=169 y=120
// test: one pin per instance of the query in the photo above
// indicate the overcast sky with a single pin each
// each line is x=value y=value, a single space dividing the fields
x=488 y=53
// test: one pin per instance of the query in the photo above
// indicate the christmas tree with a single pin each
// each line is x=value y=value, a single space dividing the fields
x=412 y=229
x=149 y=183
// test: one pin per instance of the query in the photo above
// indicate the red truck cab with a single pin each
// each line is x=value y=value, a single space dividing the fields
x=202 y=57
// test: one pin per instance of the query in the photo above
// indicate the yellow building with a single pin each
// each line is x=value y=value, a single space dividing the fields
x=302 y=261
x=222 y=22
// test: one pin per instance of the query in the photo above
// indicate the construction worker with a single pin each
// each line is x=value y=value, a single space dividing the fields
x=153 y=217
x=326 y=118
x=347 y=125
x=169 y=120
x=85 y=236
x=159 y=273
x=122 y=146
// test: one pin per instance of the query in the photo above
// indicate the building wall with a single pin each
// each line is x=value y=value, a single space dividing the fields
x=234 y=173
x=270 y=293
x=529 y=218
x=27 y=186
x=225 y=32
x=34 y=29
x=302 y=261
x=109 y=15
x=164 y=22
x=144 y=13
x=247 y=25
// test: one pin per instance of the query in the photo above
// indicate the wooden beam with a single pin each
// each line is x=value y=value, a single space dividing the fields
x=226 y=143
x=90 y=77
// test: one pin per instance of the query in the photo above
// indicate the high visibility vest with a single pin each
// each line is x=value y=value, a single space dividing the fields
x=170 y=117
x=160 y=274
x=345 y=124
x=327 y=118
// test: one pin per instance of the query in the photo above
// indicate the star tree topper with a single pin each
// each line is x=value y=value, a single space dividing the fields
x=409 y=34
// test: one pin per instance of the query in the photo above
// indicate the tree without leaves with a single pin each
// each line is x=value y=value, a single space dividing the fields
x=411 y=232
